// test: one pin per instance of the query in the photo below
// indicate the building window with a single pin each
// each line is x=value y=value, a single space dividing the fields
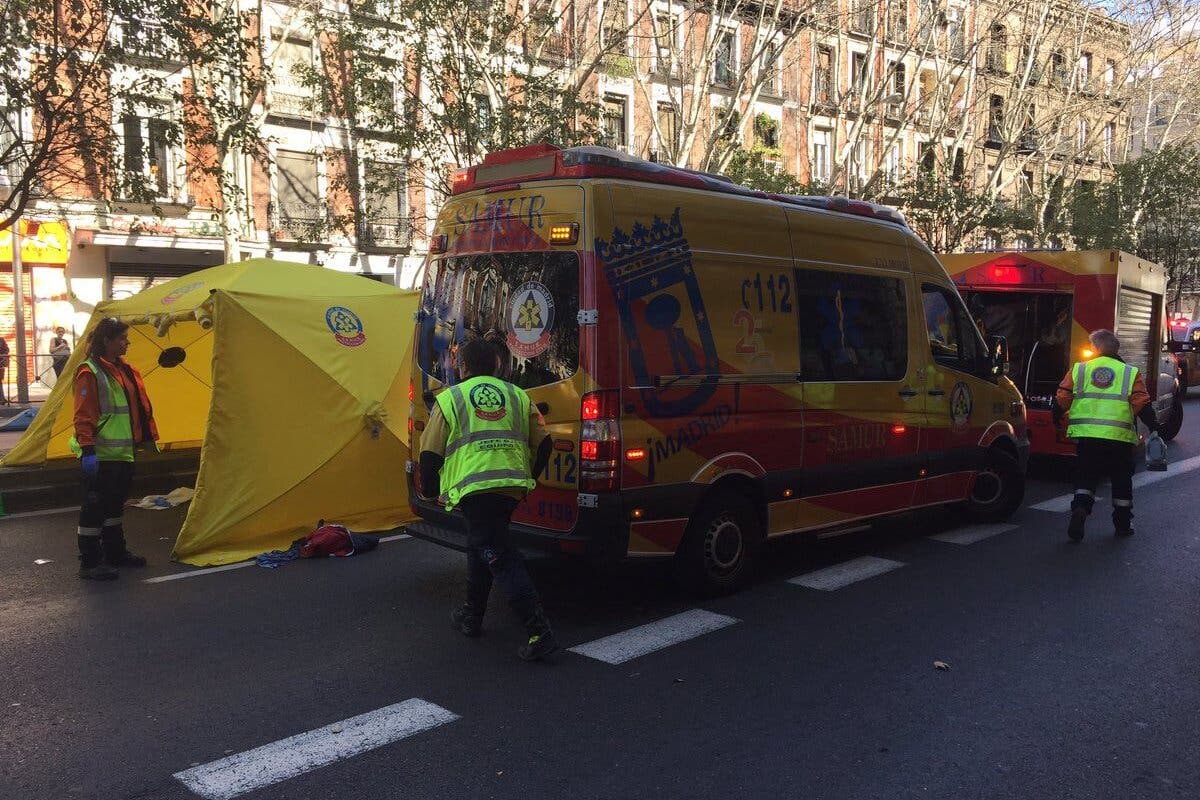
x=820 y=155
x=769 y=70
x=380 y=99
x=148 y=157
x=666 y=27
x=997 y=53
x=899 y=79
x=959 y=167
x=1081 y=141
x=300 y=213
x=386 y=222
x=1085 y=70
x=995 y=118
x=1110 y=75
x=615 y=123
x=1110 y=136
x=615 y=25
x=668 y=128
x=862 y=15
x=860 y=157
x=858 y=72
x=926 y=163
x=1025 y=191
x=723 y=59
x=1058 y=68
x=823 y=78
x=895 y=157
x=290 y=71
x=897 y=21
x=1023 y=242
x=1054 y=243
x=766 y=131
x=853 y=327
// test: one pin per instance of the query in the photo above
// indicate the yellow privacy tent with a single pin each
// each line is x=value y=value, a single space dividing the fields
x=294 y=378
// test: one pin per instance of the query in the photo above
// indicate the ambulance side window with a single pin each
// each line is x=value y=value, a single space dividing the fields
x=953 y=338
x=853 y=327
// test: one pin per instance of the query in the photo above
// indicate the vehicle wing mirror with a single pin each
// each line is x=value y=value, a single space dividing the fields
x=998 y=352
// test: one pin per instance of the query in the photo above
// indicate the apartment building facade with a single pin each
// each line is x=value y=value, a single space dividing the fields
x=851 y=95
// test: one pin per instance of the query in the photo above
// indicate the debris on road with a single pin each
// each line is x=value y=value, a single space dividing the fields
x=941 y=665
x=41 y=561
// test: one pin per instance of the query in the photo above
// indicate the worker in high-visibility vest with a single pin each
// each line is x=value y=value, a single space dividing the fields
x=480 y=437
x=113 y=417
x=1105 y=396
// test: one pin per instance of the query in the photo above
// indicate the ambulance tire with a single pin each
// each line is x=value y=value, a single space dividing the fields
x=1170 y=428
x=718 y=551
x=999 y=488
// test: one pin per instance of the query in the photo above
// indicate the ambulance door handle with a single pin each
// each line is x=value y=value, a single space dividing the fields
x=937 y=392
x=906 y=393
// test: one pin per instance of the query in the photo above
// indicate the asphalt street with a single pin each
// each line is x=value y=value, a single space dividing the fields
x=1072 y=669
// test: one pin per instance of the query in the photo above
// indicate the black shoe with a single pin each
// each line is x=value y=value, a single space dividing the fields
x=100 y=572
x=1128 y=531
x=538 y=647
x=1075 y=526
x=126 y=559
x=467 y=622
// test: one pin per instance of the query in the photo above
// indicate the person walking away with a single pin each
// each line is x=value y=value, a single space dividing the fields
x=60 y=349
x=1104 y=396
x=475 y=454
x=113 y=417
x=4 y=351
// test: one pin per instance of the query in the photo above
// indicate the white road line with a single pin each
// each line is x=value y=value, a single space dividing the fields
x=627 y=645
x=43 y=513
x=973 y=533
x=244 y=772
x=207 y=570
x=1062 y=504
x=846 y=573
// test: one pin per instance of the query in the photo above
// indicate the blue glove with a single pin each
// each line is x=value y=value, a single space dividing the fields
x=91 y=465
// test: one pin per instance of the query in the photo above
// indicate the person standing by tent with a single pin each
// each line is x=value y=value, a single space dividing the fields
x=60 y=350
x=112 y=416
x=475 y=453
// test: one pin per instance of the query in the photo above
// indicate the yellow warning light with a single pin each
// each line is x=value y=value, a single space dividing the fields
x=565 y=233
x=1087 y=352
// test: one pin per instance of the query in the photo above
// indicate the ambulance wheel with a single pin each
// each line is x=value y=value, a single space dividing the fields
x=717 y=553
x=1170 y=428
x=998 y=490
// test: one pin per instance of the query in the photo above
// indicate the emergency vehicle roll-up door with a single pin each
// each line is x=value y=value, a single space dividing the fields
x=1136 y=321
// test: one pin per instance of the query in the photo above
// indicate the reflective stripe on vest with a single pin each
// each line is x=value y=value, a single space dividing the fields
x=1103 y=412
x=114 y=428
x=483 y=454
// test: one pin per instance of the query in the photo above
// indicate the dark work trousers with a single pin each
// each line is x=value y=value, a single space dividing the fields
x=1096 y=459
x=101 y=535
x=490 y=555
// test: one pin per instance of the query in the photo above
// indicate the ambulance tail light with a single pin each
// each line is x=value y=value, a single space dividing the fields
x=599 y=442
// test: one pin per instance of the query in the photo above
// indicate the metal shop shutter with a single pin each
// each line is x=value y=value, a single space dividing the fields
x=1136 y=321
x=129 y=279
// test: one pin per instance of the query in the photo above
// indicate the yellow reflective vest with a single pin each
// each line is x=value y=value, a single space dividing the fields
x=1100 y=400
x=487 y=447
x=114 y=429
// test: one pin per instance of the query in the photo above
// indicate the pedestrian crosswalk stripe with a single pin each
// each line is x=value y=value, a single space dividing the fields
x=1062 y=504
x=635 y=642
x=973 y=533
x=237 y=774
x=846 y=573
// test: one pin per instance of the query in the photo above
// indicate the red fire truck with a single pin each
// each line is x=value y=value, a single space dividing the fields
x=1046 y=302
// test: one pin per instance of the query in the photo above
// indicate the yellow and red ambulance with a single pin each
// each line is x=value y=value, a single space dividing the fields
x=716 y=365
x=1046 y=302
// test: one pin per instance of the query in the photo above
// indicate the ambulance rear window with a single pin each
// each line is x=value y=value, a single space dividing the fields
x=527 y=301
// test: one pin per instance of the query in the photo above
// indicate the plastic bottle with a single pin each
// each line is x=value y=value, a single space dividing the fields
x=1156 y=454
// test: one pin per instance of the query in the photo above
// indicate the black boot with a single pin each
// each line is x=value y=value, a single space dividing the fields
x=541 y=641
x=1075 y=526
x=115 y=552
x=1123 y=521
x=467 y=621
x=91 y=561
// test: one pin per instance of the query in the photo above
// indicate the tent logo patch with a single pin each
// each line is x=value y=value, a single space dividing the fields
x=1103 y=378
x=488 y=402
x=175 y=294
x=530 y=320
x=346 y=326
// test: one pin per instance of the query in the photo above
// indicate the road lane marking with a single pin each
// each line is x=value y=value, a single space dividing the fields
x=225 y=568
x=1062 y=504
x=45 y=512
x=973 y=533
x=237 y=774
x=635 y=642
x=846 y=573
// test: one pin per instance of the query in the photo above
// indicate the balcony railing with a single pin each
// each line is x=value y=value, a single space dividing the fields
x=303 y=222
x=385 y=232
x=146 y=40
x=292 y=101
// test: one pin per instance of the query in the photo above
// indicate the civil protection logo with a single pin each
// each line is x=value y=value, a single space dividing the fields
x=173 y=295
x=960 y=405
x=1103 y=377
x=488 y=402
x=530 y=320
x=346 y=326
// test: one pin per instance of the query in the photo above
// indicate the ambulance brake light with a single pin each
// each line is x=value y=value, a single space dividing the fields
x=599 y=442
